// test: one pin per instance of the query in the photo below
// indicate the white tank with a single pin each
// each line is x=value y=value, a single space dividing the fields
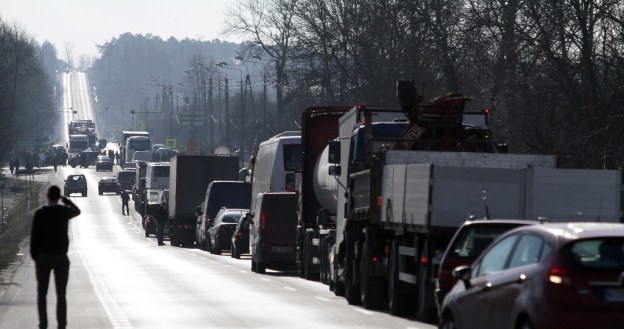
x=325 y=185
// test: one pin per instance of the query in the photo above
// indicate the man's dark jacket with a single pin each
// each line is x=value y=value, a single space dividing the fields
x=49 y=229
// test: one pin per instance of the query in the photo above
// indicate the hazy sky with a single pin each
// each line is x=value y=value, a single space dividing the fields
x=85 y=23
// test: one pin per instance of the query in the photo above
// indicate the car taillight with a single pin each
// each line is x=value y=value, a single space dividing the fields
x=239 y=234
x=558 y=274
x=148 y=220
x=263 y=220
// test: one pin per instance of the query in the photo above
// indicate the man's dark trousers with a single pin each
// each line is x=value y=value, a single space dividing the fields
x=45 y=264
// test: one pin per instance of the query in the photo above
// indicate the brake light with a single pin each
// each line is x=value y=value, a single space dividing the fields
x=239 y=234
x=262 y=220
x=148 y=220
x=558 y=274
x=291 y=188
x=424 y=260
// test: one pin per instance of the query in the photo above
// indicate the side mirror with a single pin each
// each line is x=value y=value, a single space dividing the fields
x=463 y=273
x=334 y=152
x=335 y=170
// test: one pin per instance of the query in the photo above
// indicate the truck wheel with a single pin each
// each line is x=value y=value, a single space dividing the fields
x=261 y=267
x=399 y=292
x=372 y=289
x=339 y=287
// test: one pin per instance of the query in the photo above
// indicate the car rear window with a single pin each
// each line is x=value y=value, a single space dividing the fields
x=597 y=254
x=233 y=218
x=474 y=239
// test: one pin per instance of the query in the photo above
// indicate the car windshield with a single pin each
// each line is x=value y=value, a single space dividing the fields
x=476 y=238
x=231 y=218
x=605 y=254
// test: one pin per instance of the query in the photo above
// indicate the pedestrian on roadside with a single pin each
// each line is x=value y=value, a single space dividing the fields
x=12 y=165
x=125 y=210
x=161 y=219
x=55 y=161
x=17 y=165
x=30 y=170
x=49 y=243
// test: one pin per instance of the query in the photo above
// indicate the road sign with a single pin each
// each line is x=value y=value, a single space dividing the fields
x=192 y=118
x=171 y=143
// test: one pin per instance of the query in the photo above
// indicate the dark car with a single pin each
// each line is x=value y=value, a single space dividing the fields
x=467 y=244
x=564 y=275
x=125 y=180
x=75 y=184
x=104 y=163
x=108 y=184
x=153 y=211
x=88 y=158
x=221 y=229
x=240 y=237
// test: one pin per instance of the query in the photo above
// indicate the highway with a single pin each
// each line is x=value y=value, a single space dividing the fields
x=121 y=279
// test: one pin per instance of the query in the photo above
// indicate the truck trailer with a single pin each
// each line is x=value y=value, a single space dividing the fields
x=188 y=179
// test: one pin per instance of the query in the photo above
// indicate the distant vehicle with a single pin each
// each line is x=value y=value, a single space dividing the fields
x=163 y=154
x=157 y=175
x=157 y=147
x=125 y=135
x=142 y=156
x=125 y=180
x=88 y=158
x=152 y=211
x=273 y=233
x=240 y=237
x=219 y=194
x=130 y=166
x=564 y=275
x=75 y=184
x=103 y=163
x=75 y=145
x=108 y=184
x=221 y=229
x=467 y=244
x=137 y=143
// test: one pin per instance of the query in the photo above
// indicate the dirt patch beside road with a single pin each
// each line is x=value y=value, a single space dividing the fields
x=19 y=220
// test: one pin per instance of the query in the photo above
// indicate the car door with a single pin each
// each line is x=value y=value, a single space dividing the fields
x=472 y=311
x=520 y=273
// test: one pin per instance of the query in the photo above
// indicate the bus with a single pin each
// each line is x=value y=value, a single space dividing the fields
x=136 y=143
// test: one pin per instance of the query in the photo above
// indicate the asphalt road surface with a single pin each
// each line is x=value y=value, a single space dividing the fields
x=121 y=279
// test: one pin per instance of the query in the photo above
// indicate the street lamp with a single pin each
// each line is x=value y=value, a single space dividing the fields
x=132 y=113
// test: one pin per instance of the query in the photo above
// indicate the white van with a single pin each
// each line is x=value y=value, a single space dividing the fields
x=157 y=175
x=137 y=143
x=276 y=167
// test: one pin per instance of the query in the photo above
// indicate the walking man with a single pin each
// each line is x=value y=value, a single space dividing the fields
x=125 y=210
x=49 y=243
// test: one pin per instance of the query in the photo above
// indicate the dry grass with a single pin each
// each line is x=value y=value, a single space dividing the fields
x=19 y=223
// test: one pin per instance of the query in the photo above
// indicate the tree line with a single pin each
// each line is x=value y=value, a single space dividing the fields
x=550 y=72
x=27 y=88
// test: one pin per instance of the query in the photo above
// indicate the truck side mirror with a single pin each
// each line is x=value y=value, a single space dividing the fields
x=334 y=170
x=334 y=152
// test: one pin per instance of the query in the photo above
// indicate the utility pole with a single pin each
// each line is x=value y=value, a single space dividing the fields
x=227 y=114
x=210 y=118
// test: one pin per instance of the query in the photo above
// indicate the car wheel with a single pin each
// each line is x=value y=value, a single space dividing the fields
x=253 y=266
x=448 y=322
x=261 y=267
x=100 y=192
x=146 y=232
x=526 y=324
x=232 y=251
x=216 y=249
x=84 y=194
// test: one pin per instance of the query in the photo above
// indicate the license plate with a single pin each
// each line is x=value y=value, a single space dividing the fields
x=614 y=295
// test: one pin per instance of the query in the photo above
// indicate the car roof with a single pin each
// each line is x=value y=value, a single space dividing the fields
x=501 y=221
x=580 y=230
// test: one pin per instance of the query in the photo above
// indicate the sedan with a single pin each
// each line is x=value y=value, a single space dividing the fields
x=219 y=234
x=565 y=275
x=104 y=163
x=108 y=184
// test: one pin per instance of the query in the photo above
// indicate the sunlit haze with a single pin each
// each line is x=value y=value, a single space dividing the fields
x=85 y=24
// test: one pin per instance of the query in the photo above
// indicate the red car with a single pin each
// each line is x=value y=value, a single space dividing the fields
x=551 y=276
x=467 y=244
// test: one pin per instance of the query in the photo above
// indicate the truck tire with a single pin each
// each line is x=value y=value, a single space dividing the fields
x=372 y=289
x=308 y=272
x=260 y=267
x=338 y=287
x=399 y=292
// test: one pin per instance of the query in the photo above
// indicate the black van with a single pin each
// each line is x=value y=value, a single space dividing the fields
x=219 y=194
x=273 y=231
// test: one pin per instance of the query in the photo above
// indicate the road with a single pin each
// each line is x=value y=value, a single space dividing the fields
x=121 y=279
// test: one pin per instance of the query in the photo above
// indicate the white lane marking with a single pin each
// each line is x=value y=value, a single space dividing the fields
x=265 y=279
x=322 y=298
x=363 y=311
x=290 y=288
x=115 y=315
